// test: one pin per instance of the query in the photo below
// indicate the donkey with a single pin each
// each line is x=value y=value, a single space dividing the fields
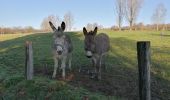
x=96 y=46
x=62 y=49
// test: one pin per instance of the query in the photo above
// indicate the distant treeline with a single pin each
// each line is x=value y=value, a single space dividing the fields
x=14 y=30
x=141 y=26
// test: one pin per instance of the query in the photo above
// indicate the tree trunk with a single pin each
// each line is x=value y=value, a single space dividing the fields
x=164 y=27
x=157 y=27
x=130 y=22
x=120 y=27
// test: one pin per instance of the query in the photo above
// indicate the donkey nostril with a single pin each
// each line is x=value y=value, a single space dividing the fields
x=85 y=49
x=59 y=52
x=88 y=56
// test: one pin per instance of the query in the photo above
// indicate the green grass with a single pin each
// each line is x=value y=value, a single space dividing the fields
x=42 y=88
x=119 y=80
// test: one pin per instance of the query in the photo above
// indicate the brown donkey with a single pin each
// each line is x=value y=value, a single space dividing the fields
x=62 y=48
x=96 y=47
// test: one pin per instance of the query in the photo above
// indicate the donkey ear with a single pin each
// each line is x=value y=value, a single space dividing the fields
x=84 y=31
x=59 y=28
x=63 y=26
x=95 y=31
x=52 y=26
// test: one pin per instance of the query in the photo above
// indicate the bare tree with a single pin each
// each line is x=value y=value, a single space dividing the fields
x=89 y=26
x=44 y=26
x=0 y=30
x=58 y=20
x=131 y=11
x=159 y=15
x=45 y=23
x=139 y=26
x=69 y=20
x=119 y=11
x=18 y=29
x=100 y=27
x=29 y=29
x=95 y=25
x=55 y=20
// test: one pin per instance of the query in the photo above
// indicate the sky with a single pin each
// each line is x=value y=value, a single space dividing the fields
x=32 y=12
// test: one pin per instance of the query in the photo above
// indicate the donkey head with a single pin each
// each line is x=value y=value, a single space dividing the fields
x=89 y=42
x=59 y=37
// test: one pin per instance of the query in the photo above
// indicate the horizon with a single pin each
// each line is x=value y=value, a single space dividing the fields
x=31 y=13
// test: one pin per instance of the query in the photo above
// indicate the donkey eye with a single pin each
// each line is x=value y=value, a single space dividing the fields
x=85 y=48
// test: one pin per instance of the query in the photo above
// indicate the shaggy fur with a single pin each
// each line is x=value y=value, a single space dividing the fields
x=62 y=48
x=96 y=47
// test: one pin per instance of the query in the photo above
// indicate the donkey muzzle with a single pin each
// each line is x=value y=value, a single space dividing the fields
x=59 y=52
x=88 y=54
x=59 y=49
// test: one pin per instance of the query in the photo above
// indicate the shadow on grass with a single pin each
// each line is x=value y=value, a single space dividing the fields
x=161 y=35
x=120 y=79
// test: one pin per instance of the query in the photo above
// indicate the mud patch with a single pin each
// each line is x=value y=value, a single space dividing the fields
x=120 y=82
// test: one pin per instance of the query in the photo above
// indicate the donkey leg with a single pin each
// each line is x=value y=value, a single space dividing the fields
x=99 y=65
x=63 y=66
x=55 y=67
x=69 y=61
x=93 y=74
x=94 y=62
x=104 y=62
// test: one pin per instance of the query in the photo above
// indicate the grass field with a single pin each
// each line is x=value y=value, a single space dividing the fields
x=119 y=81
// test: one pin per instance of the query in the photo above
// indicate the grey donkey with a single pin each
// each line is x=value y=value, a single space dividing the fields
x=62 y=49
x=96 y=46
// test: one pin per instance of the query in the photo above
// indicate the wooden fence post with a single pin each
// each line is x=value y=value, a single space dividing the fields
x=143 y=54
x=29 y=61
x=85 y=98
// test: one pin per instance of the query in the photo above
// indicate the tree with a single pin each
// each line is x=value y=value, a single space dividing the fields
x=69 y=20
x=45 y=23
x=29 y=29
x=89 y=26
x=1 y=30
x=132 y=8
x=141 y=26
x=100 y=27
x=55 y=20
x=95 y=25
x=119 y=10
x=159 y=15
